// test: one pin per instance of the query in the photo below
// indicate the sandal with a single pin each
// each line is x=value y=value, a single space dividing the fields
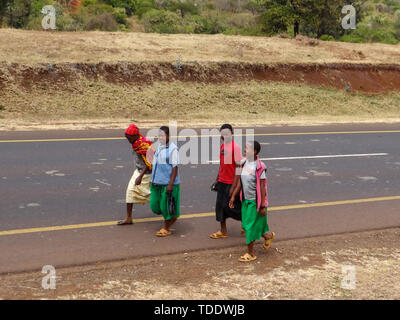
x=247 y=258
x=163 y=233
x=218 y=235
x=268 y=242
x=123 y=223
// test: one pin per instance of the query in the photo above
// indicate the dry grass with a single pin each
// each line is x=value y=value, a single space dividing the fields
x=54 y=47
x=250 y=102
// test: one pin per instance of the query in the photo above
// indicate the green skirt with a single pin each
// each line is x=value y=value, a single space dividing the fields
x=159 y=200
x=253 y=224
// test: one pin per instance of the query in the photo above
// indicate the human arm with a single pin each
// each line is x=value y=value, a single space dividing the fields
x=263 y=192
x=235 y=193
x=170 y=186
x=174 y=173
x=138 y=180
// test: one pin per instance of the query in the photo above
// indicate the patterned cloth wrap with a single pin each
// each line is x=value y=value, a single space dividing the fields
x=142 y=145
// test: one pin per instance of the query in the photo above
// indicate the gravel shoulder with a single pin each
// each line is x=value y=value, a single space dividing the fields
x=310 y=268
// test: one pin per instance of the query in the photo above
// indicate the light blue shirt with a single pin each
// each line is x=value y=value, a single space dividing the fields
x=165 y=159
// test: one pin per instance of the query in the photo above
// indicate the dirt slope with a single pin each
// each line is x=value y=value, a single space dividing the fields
x=137 y=76
x=351 y=77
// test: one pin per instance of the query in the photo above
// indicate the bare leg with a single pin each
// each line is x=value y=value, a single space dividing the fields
x=267 y=235
x=168 y=223
x=129 y=209
x=223 y=227
x=250 y=248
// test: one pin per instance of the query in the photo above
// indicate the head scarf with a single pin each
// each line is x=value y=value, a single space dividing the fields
x=132 y=130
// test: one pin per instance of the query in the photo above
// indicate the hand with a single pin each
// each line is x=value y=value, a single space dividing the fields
x=138 y=181
x=169 y=189
x=231 y=201
x=262 y=212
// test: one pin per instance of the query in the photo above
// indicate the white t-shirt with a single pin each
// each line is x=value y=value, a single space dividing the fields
x=249 y=180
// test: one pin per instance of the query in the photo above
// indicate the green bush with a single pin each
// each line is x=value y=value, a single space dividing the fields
x=104 y=22
x=121 y=17
x=128 y=5
x=67 y=23
x=213 y=23
x=143 y=6
x=162 y=21
x=326 y=37
x=184 y=8
x=366 y=33
x=37 y=6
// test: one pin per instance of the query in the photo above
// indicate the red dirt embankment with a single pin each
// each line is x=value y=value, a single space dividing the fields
x=364 y=78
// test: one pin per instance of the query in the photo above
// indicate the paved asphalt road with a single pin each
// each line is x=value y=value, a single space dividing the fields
x=77 y=182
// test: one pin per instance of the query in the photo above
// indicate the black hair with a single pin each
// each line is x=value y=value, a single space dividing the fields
x=226 y=126
x=165 y=129
x=256 y=146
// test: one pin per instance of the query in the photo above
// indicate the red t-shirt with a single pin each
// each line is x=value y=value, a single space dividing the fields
x=227 y=166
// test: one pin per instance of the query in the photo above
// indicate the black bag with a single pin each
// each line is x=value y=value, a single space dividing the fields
x=171 y=205
x=214 y=186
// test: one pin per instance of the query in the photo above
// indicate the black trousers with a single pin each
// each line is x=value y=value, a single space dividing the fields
x=222 y=210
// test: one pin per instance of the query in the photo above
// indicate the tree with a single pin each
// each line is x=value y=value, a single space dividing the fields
x=18 y=12
x=3 y=8
x=310 y=17
x=128 y=5
x=183 y=6
x=254 y=6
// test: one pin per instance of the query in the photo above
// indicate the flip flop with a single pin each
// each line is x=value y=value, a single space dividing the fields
x=163 y=233
x=268 y=242
x=218 y=235
x=123 y=223
x=247 y=258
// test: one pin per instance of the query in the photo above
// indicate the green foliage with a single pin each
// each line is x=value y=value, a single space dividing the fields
x=161 y=21
x=105 y=22
x=183 y=7
x=366 y=33
x=377 y=20
x=143 y=6
x=326 y=37
x=18 y=11
x=128 y=5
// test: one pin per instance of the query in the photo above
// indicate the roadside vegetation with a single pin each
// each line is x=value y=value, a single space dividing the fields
x=246 y=103
x=377 y=20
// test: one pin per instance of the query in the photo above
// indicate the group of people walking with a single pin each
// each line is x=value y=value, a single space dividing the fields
x=241 y=185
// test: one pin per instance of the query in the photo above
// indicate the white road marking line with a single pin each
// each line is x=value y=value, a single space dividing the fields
x=33 y=205
x=319 y=173
x=367 y=178
x=328 y=156
x=105 y=183
x=319 y=157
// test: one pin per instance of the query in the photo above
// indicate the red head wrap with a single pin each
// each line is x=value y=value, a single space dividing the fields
x=132 y=130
